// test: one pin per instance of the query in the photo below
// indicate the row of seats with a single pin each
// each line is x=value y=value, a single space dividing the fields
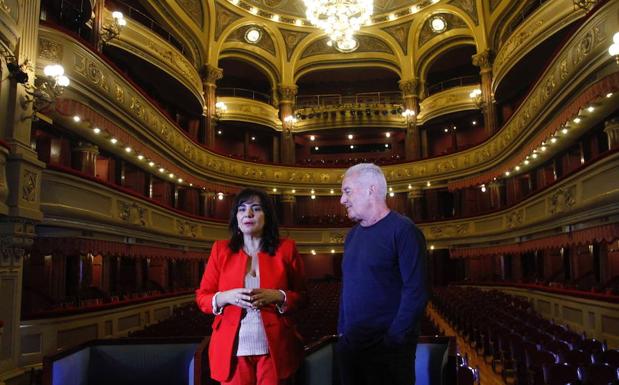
x=520 y=344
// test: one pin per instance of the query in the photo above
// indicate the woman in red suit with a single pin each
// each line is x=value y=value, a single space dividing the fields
x=252 y=283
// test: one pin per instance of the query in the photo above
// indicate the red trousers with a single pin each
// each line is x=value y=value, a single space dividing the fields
x=254 y=370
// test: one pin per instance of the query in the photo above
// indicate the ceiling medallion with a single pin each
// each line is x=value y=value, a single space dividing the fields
x=253 y=35
x=438 y=24
x=345 y=46
x=340 y=19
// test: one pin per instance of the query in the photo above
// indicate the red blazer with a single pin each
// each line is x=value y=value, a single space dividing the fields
x=226 y=270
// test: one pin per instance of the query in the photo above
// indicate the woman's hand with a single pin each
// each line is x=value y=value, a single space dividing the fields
x=240 y=297
x=264 y=297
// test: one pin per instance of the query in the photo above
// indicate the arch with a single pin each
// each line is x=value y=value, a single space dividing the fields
x=425 y=61
x=385 y=38
x=417 y=28
x=267 y=68
x=221 y=43
x=320 y=66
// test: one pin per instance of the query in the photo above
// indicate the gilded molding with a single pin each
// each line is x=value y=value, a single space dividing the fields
x=426 y=33
x=589 y=194
x=577 y=60
x=400 y=34
x=409 y=87
x=211 y=74
x=366 y=44
x=287 y=93
x=251 y=111
x=291 y=40
x=50 y=50
x=223 y=18
x=445 y=102
x=469 y=7
x=193 y=8
x=266 y=42
x=144 y=43
x=483 y=59
x=546 y=20
x=29 y=186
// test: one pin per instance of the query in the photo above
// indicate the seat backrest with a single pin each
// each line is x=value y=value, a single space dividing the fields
x=467 y=375
x=609 y=356
x=599 y=374
x=560 y=374
x=577 y=357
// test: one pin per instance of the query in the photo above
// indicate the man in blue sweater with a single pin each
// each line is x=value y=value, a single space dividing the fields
x=384 y=290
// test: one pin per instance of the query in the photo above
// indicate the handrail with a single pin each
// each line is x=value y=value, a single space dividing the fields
x=378 y=97
x=522 y=15
x=244 y=93
x=452 y=83
x=147 y=22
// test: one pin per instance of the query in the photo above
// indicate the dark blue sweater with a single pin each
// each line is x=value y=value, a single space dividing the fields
x=383 y=289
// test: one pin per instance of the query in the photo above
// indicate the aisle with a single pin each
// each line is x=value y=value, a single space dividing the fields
x=486 y=374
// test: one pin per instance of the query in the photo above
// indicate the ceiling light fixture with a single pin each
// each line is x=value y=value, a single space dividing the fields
x=340 y=19
x=438 y=24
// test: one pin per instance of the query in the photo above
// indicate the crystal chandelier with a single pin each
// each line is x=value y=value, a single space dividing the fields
x=340 y=19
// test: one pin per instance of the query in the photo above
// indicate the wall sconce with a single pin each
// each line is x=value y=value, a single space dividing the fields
x=613 y=50
x=290 y=121
x=475 y=96
x=220 y=110
x=112 y=31
x=46 y=88
x=408 y=115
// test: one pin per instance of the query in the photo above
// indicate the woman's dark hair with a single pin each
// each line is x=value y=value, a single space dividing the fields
x=270 y=232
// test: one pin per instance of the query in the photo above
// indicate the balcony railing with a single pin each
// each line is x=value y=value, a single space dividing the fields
x=381 y=97
x=146 y=21
x=522 y=16
x=244 y=93
x=452 y=83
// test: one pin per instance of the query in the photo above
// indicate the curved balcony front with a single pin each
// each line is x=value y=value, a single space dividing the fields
x=559 y=94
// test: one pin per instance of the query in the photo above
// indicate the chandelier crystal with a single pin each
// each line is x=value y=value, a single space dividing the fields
x=340 y=19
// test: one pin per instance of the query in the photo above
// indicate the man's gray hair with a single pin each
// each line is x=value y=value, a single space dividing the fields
x=372 y=173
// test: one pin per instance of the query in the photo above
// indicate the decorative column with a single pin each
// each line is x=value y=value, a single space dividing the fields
x=97 y=25
x=85 y=158
x=19 y=168
x=287 y=94
x=611 y=128
x=415 y=198
x=484 y=60
x=412 y=141
x=210 y=76
x=276 y=149
x=494 y=188
x=289 y=203
x=208 y=203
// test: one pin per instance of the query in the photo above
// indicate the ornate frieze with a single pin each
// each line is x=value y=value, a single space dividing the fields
x=292 y=39
x=453 y=22
x=29 y=186
x=50 y=50
x=287 y=93
x=400 y=34
x=409 y=87
x=561 y=200
x=266 y=42
x=366 y=44
x=483 y=59
x=132 y=213
x=469 y=7
x=211 y=74
x=193 y=8
x=223 y=18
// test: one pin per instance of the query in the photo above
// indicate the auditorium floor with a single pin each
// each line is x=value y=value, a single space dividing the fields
x=486 y=375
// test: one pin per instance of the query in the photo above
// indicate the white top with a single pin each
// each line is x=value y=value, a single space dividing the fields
x=252 y=337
